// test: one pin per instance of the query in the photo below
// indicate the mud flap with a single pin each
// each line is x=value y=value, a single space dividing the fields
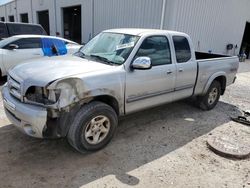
x=243 y=119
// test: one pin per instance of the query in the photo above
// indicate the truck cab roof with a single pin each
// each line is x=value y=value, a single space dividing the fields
x=141 y=32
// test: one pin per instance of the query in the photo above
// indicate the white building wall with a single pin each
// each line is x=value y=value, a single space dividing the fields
x=11 y=10
x=55 y=8
x=41 y=5
x=211 y=24
x=130 y=13
x=24 y=6
x=86 y=9
x=2 y=11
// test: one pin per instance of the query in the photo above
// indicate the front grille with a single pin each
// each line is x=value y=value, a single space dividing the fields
x=14 y=87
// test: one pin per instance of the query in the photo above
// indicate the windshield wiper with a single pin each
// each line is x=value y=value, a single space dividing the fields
x=106 y=60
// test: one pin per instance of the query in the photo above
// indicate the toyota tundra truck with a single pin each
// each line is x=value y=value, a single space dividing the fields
x=119 y=72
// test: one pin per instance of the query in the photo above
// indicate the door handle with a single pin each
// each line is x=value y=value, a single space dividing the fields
x=169 y=72
x=36 y=54
x=181 y=69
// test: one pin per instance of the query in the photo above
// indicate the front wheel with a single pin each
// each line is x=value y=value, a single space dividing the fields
x=93 y=127
x=209 y=101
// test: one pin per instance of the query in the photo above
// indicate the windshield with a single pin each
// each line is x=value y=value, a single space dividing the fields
x=109 y=47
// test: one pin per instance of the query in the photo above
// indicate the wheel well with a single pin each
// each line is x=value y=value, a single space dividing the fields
x=222 y=80
x=111 y=101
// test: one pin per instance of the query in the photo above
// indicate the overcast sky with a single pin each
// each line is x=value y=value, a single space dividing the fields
x=4 y=1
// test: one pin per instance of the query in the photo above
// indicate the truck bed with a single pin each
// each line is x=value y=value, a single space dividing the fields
x=204 y=55
x=211 y=64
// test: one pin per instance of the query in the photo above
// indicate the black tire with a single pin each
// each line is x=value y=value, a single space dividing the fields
x=204 y=102
x=77 y=132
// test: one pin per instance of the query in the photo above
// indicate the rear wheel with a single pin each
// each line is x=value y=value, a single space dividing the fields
x=209 y=101
x=93 y=127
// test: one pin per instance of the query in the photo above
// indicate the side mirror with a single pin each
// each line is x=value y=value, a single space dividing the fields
x=142 y=63
x=13 y=47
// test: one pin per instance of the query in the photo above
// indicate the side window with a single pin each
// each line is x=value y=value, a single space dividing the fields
x=19 y=29
x=182 y=49
x=28 y=43
x=3 y=31
x=157 y=49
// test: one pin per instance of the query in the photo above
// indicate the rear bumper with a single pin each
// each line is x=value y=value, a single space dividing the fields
x=29 y=119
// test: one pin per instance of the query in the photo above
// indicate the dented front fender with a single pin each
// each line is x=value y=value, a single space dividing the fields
x=71 y=91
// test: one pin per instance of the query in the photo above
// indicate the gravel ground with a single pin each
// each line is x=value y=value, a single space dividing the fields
x=161 y=147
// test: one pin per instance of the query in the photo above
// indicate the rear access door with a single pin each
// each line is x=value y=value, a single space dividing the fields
x=186 y=66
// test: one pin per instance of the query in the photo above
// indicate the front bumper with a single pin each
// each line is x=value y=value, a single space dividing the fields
x=30 y=119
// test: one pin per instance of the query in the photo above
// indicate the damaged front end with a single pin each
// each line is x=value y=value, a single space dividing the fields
x=59 y=95
x=61 y=99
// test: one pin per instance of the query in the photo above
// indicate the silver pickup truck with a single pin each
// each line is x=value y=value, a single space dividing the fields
x=118 y=72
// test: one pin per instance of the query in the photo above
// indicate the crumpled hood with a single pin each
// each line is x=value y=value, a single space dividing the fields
x=40 y=72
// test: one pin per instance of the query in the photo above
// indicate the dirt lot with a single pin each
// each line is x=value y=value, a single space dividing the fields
x=161 y=147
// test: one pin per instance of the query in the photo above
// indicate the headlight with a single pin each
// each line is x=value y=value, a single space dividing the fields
x=42 y=95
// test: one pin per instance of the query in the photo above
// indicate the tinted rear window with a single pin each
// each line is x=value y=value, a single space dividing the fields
x=3 y=31
x=182 y=49
x=20 y=29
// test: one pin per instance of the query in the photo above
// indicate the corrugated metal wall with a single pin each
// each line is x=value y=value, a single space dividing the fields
x=126 y=13
x=212 y=24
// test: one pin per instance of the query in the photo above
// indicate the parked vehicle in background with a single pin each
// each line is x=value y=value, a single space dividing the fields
x=8 y=29
x=118 y=72
x=15 y=50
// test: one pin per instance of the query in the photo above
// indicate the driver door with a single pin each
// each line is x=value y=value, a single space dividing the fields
x=28 y=48
x=155 y=86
